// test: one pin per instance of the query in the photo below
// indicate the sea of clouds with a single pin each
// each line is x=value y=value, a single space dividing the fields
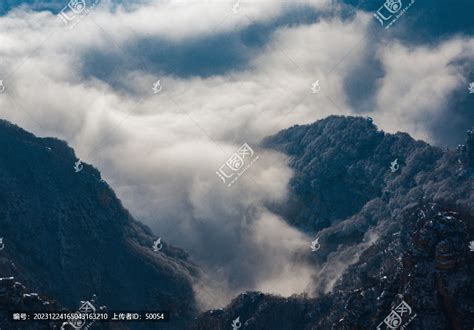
x=227 y=79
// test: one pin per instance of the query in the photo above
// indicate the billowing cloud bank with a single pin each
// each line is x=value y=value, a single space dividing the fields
x=227 y=79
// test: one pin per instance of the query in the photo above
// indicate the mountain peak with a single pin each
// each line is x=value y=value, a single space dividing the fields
x=393 y=217
x=68 y=234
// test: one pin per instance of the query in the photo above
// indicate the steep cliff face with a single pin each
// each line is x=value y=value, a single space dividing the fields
x=388 y=232
x=67 y=235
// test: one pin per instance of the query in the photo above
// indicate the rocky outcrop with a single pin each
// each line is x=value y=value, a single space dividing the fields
x=466 y=151
x=65 y=233
x=391 y=233
x=343 y=163
x=15 y=297
x=426 y=264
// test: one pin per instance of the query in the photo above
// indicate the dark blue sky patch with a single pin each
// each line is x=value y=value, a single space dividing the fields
x=205 y=56
x=214 y=55
x=198 y=57
x=39 y=5
x=427 y=20
x=56 y=6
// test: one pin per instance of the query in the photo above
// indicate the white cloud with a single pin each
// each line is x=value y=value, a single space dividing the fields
x=417 y=85
x=160 y=152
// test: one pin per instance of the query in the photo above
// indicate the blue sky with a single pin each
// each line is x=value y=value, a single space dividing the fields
x=440 y=17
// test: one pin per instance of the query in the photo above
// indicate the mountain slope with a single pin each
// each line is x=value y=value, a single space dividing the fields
x=67 y=235
x=386 y=235
x=426 y=264
x=342 y=163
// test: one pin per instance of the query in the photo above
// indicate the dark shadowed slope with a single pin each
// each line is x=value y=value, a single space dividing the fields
x=386 y=236
x=67 y=235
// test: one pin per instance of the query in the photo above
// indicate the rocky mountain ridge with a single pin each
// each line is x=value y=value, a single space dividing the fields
x=67 y=235
x=389 y=232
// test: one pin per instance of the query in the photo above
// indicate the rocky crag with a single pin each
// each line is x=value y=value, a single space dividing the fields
x=394 y=218
x=66 y=235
